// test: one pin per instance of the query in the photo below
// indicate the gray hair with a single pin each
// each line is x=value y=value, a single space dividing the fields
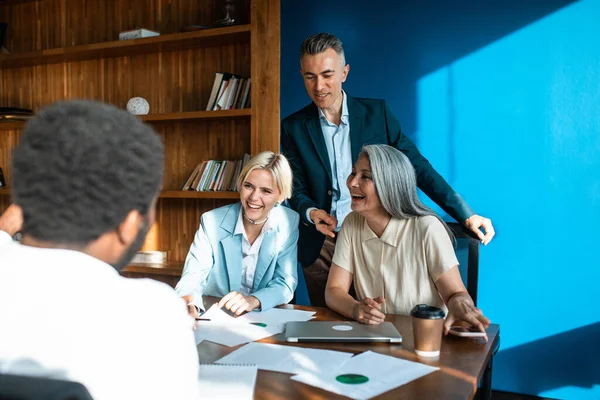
x=319 y=42
x=396 y=183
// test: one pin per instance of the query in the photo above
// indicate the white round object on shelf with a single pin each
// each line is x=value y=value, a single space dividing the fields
x=138 y=106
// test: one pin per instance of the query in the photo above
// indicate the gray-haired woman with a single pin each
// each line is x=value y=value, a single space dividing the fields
x=396 y=251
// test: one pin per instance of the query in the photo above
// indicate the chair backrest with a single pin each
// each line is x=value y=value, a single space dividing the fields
x=467 y=252
x=18 y=387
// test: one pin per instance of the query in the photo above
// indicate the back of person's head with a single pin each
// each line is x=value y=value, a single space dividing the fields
x=80 y=168
x=279 y=167
x=319 y=42
x=396 y=182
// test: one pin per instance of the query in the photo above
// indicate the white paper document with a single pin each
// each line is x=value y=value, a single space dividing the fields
x=287 y=359
x=226 y=382
x=230 y=331
x=383 y=372
x=216 y=314
x=277 y=317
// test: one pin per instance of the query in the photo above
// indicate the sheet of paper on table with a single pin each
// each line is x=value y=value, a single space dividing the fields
x=383 y=372
x=287 y=359
x=277 y=317
x=230 y=331
x=226 y=382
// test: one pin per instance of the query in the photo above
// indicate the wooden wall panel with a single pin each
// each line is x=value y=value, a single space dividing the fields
x=177 y=221
x=266 y=60
x=171 y=82
x=9 y=138
x=47 y=24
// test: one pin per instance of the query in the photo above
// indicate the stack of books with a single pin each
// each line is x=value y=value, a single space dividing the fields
x=149 y=257
x=215 y=175
x=229 y=92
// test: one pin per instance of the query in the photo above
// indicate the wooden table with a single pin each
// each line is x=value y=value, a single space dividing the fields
x=462 y=363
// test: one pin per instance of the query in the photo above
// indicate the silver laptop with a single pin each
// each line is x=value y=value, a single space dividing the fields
x=341 y=331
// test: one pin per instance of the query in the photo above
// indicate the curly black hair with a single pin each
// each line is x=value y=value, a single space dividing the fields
x=81 y=167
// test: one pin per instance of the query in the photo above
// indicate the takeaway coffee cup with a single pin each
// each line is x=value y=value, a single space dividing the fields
x=428 y=325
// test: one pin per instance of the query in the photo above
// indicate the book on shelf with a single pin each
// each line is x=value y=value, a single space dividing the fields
x=137 y=34
x=229 y=91
x=216 y=175
x=149 y=257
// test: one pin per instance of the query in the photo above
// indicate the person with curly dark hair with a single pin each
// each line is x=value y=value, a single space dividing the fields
x=86 y=178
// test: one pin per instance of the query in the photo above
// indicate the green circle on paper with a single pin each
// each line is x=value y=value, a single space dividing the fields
x=352 y=379
x=259 y=324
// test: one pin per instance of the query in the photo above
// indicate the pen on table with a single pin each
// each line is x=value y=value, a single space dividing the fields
x=202 y=319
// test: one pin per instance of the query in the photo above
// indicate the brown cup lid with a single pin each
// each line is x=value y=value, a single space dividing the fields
x=427 y=312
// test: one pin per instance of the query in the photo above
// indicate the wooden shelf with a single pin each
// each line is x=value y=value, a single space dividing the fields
x=192 y=194
x=11 y=125
x=173 y=268
x=187 y=115
x=166 y=117
x=121 y=48
x=177 y=194
x=15 y=2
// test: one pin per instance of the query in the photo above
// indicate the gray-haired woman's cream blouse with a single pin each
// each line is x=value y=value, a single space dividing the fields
x=402 y=266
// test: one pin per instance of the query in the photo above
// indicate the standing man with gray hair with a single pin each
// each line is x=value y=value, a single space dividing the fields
x=322 y=142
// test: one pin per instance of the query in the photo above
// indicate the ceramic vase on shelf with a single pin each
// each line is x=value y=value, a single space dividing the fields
x=138 y=106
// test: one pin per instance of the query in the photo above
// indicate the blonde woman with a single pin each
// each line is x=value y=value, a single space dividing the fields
x=246 y=253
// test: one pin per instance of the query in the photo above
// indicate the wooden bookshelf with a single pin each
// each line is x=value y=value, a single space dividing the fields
x=12 y=2
x=189 y=115
x=178 y=194
x=174 y=117
x=131 y=47
x=52 y=60
x=171 y=268
x=192 y=194
x=11 y=124
x=168 y=272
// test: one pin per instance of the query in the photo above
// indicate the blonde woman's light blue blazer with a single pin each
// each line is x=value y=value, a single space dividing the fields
x=213 y=266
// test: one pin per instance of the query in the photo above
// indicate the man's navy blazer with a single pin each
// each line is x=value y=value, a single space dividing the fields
x=371 y=122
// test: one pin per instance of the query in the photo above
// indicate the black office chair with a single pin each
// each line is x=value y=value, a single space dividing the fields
x=467 y=252
x=18 y=387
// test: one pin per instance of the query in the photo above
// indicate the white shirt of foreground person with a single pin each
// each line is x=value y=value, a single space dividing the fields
x=67 y=315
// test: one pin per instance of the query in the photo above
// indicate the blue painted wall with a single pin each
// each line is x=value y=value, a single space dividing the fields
x=503 y=97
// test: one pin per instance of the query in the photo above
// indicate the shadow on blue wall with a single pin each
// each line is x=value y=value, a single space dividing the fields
x=567 y=359
x=426 y=36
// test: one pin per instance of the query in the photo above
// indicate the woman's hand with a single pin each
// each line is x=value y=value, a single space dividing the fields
x=461 y=308
x=237 y=303
x=368 y=311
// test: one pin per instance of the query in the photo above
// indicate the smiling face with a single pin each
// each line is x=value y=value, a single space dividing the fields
x=365 y=200
x=259 y=194
x=323 y=75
